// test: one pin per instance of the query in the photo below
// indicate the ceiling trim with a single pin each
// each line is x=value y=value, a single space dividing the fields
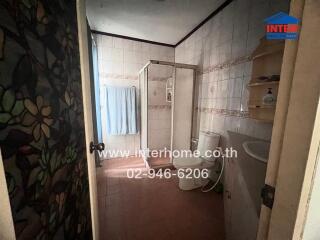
x=132 y=38
x=215 y=12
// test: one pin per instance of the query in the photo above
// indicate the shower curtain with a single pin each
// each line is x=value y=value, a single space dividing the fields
x=120 y=108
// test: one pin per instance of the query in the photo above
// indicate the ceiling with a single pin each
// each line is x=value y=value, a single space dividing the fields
x=165 y=21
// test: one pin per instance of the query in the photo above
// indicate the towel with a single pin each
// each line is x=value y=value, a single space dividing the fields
x=120 y=107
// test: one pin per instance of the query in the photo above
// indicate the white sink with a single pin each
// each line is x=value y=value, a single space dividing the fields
x=257 y=149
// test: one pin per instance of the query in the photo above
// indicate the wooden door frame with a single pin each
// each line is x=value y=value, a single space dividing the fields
x=308 y=183
x=6 y=221
x=291 y=145
x=87 y=110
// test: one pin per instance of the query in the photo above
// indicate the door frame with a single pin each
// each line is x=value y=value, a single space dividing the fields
x=309 y=180
x=291 y=144
x=7 y=230
x=87 y=111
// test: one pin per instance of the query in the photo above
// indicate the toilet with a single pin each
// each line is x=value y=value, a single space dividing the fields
x=207 y=141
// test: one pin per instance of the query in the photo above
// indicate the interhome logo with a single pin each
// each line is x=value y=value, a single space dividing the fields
x=282 y=26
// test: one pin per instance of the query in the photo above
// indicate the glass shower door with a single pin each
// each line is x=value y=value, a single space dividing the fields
x=160 y=80
x=143 y=81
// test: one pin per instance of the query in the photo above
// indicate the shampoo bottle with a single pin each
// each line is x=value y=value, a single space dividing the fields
x=269 y=98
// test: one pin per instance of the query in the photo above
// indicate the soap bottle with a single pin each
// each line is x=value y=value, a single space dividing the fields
x=269 y=98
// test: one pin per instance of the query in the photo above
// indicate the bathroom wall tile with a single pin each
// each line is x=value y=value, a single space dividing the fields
x=239 y=47
x=145 y=47
x=232 y=124
x=132 y=56
x=154 y=51
x=119 y=63
x=254 y=36
x=131 y=69
x=277 y=6
x=105 y=54
x=231 y=34
x=245 y=95
x=259 y=11
x=128 y=44
x=212 y=89
x=205 y=78
x=234 y=103
x=117 y=68
x=117 y=55
x=223 y=88
x=225 y=73
x=105 y=67
x=241 y=18
x=137 y=46
x=118 y=43
x=107 y=41
x=226 y=30
x=237 y=87
x=247 y=69
x=225 y=52
x=214 y=57
x=237 y=70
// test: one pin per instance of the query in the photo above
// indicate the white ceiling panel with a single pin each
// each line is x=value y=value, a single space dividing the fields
x=165 y=21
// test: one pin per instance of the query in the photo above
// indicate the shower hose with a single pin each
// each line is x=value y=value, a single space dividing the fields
x=203 y=188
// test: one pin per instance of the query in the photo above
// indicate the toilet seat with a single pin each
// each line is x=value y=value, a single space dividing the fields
x=207 y=141
x=192 y=162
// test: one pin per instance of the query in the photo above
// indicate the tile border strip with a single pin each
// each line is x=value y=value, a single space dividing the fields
x=159 y=107
x=229 y=63
x=131 y=77
x=224 y=112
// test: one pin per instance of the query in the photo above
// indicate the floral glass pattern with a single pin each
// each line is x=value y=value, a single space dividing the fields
x=41 y=120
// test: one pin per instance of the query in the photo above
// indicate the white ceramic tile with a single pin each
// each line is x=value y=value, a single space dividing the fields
x=239 y=47
x=212 y=89
x=234 y=103
x=117 y=55
x=105 y=67
x=247 y=69
x=131 y=69
x=132 y=56
x=128 y=44
x=137 y=46
x=237 y=87
x=118 y=43
x=279 y=6
x=225 y=52
x=106 y=41
x=117 y=68
x=225 y=73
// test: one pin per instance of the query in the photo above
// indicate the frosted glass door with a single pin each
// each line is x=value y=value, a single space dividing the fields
x=143 y=77
x=182 y=109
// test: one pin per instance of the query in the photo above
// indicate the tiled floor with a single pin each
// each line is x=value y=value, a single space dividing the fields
x=156 y=162
x=131 y=209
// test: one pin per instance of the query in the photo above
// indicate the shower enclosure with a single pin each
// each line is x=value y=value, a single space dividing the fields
x=166 y=107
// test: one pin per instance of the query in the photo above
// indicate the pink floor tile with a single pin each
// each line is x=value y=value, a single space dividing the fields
x=154 y=209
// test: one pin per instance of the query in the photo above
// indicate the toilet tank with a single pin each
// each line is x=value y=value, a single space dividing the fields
x=207 y=141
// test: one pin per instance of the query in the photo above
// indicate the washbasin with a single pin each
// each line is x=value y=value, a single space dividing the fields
x=257 y=149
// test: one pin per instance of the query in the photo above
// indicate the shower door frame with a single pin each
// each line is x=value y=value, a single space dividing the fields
x=144 y=71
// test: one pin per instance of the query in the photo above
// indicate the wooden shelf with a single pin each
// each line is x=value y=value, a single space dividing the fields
x=266 y=61
x=262 y=120
x=267 y=48
x=256 y=84
x=263 y=54
x=262 y=106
